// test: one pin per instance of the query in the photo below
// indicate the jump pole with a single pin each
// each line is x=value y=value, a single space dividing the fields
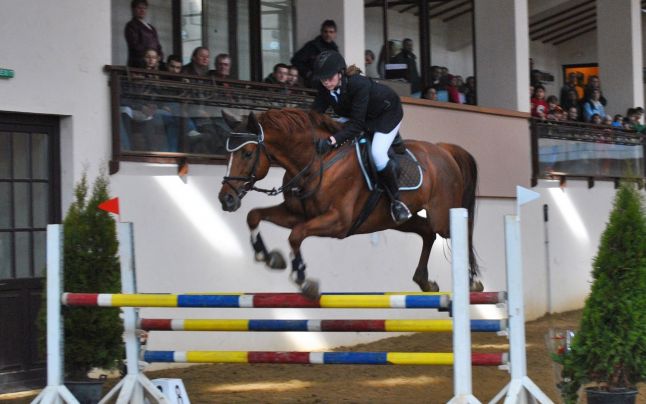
x=135 y=386
x=460 y=306
x=55 y=392
x=521 y=388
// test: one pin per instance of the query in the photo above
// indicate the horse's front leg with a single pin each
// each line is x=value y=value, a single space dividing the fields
x=326 y=225
x=278 y=215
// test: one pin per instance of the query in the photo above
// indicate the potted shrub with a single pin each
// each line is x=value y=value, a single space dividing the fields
x=93 y=338
x=608 y=352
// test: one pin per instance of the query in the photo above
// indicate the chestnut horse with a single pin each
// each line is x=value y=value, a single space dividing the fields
x=324 y=195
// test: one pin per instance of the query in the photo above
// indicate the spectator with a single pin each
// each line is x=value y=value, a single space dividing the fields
x=573 y=114
x=151 y=60
x=430 y=94
x=174 y=64
x=635 y=114
x=470 y=91
x=140 y=35
x=452 y=89
x=436 y=75
x=617 y=121
x=384 y=58
x=571 y=101
x=594 y=84
x=304 y=58
x=407 y=57
x=554 y=110
x=199 y=65
x=222 y=64
x=593 y=106
x=627 y=124
x=596 y=119
x=570 y=85
x=293 y=79
x=539 y=105
x=369 y=58
x=279 y=75
x=607 y=120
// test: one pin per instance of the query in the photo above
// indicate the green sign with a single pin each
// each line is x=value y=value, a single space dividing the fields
x=6 y=73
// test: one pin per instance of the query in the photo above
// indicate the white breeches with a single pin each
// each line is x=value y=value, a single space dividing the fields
x=380 y=144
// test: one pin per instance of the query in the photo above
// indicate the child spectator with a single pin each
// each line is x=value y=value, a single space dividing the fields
x=596 y=119
x=538 y=103
x=430 y=94
x=452 y=89
x=607 y=120
x=616 y=121
x=593 y=106
x=552 y=105
x=573 y=114
x=470 y=91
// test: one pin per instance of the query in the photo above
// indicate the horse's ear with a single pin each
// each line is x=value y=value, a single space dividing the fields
x=252 y=124
x=231 y=120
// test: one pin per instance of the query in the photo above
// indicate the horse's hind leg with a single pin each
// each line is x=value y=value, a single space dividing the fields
x=422 y=227
x=275 y=214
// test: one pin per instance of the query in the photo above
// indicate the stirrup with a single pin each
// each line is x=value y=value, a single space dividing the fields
x=399 y=212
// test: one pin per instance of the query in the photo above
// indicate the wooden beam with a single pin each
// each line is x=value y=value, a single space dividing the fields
x=448 y=9
x=562 y=19
x=567 y=10
x=458 y=14
x=560 y=41
x=584 y=19
x=586 y=25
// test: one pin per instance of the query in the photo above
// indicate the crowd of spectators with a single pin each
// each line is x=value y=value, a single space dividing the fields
x=581 y=103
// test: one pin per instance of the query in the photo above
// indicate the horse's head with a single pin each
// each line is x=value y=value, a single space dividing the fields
x=248 y=159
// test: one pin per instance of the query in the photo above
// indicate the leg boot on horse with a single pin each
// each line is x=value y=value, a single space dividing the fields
x=398 y=210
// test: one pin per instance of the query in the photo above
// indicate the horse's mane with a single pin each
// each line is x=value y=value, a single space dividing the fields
x=290 y=121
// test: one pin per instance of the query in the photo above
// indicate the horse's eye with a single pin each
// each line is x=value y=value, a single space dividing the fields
x=247 y=154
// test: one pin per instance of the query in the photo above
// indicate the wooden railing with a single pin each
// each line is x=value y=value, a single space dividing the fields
x=562 y=150
x=167 y=118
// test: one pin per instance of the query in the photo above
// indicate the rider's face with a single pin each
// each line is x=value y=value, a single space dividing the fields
x=331 y=82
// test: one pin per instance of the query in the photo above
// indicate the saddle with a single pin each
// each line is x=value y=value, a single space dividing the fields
x=409 y=171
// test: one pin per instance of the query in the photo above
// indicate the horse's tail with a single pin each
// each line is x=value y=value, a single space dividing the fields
x=469 y=170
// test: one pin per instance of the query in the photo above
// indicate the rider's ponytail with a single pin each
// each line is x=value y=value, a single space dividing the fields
x=352 y=70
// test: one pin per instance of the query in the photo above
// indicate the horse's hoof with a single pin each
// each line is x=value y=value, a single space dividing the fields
x=433 y=286
x=275 y=260
x=476 y=286
x=310 y=289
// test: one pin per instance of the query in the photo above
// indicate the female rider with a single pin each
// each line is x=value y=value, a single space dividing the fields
x=369 y=107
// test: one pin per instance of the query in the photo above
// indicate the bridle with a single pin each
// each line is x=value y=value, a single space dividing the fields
x=237 y=140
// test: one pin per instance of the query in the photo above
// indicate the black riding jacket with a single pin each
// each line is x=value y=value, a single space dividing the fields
x=370 y=106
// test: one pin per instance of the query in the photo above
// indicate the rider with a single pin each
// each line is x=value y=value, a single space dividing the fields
x=367 y=106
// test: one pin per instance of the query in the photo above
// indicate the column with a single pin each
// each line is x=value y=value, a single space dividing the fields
x=619 y=46
x=349 y=18
x=502 y=54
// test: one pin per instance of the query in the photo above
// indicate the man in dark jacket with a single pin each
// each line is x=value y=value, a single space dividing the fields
x=140 y=35
x=407 y=57
x=304 y=58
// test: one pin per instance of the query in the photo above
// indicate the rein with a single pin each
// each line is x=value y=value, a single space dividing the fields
x=250 y=180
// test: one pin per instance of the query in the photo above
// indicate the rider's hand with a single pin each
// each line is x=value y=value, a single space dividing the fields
x=323 y=146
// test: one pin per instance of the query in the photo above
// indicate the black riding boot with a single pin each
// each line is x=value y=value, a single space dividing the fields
x=398 y=145
x=398 y=210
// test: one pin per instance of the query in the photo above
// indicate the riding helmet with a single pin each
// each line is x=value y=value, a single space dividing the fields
x=327 y=64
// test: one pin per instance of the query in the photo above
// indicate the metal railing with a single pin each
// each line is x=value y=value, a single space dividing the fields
x=563 y=150
x=164 y=117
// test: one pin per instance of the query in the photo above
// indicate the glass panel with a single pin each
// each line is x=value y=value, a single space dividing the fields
x=5 y=155
x=6 y=260
x=218 y=31
x=40 y=203
x=5 y=205
x=21 y=204
x=23 y=254
x=244 y=63
x=403 y=64
x=191 y=27
x=277 y=33
x=40 y=253
x=20 y=155
x=39 y=156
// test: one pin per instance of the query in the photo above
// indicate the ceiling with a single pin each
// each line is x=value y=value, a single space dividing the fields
x=556 y=25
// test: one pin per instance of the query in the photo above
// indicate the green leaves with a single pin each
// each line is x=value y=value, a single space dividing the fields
x=610 y=347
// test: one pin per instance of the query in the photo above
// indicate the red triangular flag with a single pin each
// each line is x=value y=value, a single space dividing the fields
x=111 y=205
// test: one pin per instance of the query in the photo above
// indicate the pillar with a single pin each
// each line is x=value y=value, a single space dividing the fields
x=502 y=54
x=619 y=48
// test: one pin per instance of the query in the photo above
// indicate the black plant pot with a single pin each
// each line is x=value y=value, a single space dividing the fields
x=615 y=396
x=87 y=391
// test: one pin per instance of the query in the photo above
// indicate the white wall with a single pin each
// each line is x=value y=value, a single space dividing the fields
x=58 y=50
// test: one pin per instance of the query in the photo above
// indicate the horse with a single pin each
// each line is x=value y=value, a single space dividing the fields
x=324 y=194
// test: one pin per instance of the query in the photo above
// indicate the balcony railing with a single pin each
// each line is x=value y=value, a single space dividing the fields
x=165 y=117
x=575 y=150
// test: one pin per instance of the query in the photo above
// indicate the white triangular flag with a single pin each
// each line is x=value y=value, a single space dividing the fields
x=524 y=195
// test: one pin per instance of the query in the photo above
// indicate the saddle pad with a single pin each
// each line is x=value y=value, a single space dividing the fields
x=410 y=172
